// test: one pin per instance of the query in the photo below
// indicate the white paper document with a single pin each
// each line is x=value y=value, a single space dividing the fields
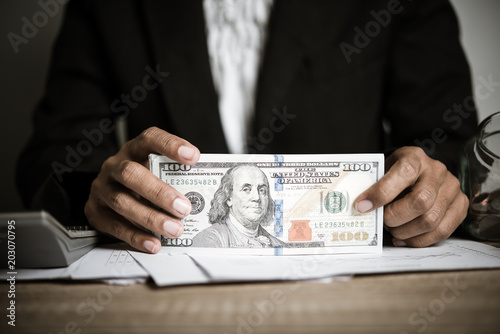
x=108 y=261
x=171 y=269
x=123 y=265
x=452 y=254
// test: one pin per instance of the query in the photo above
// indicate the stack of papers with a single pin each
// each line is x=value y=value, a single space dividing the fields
x=110 y=262
x=452 y=254
x=118 y=264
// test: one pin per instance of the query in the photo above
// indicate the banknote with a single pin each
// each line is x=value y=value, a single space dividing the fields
x=274 y=204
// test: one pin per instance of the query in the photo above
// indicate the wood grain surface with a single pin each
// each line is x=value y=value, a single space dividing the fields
x=438 y=302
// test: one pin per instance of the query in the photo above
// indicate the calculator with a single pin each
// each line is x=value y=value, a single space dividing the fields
x=37 y=240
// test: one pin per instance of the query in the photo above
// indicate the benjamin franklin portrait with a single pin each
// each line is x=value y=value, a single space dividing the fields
x=239 y=209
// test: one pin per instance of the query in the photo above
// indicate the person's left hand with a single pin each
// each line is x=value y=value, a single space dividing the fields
x=423 y=201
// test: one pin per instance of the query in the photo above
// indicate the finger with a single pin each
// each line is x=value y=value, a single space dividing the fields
x=402 y=174
x=141 y=214
x=155 y=140
x=421 y=197
x=137 y=178
x=453 y=218
x=431 y=219
x=111 y=223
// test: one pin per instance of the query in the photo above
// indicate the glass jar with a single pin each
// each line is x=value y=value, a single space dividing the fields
x=480 y=180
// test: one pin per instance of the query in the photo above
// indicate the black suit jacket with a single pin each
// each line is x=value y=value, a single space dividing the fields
x=406 y=74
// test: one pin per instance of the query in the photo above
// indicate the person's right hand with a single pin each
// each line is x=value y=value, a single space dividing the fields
x=120 y=197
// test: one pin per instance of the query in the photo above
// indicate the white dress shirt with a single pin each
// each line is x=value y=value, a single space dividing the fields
x=236 y=34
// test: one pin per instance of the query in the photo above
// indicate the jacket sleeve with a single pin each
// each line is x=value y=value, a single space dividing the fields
x=73 y=124
x=429 y=101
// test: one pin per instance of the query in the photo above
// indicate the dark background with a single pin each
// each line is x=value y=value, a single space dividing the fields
x=22 y=75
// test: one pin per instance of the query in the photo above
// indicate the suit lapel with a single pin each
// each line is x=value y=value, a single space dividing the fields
x=178 y=38
x=296 y=28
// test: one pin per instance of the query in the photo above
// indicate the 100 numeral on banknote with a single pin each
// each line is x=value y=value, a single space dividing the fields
x=274 y=204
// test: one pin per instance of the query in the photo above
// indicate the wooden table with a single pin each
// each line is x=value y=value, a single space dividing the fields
x=437 y=302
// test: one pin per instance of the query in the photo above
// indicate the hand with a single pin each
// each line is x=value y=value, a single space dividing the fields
x=120 y=196
x=423 y=201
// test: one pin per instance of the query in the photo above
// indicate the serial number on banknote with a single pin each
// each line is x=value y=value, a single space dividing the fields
x=191 y=182
x=339 y=224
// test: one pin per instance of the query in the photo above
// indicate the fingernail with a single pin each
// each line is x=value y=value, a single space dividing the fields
x=186 y=152
x=172 y=228
x=398 y=243
x=150 y=246
x=182 y=206
x=364 y=206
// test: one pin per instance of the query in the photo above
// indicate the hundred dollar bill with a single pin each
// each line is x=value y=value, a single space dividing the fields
x=274 y=204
